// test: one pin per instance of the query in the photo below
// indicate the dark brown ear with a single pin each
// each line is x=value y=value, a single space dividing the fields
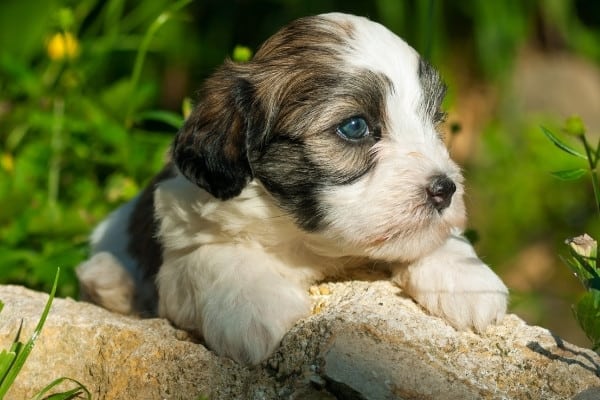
x=210 y=150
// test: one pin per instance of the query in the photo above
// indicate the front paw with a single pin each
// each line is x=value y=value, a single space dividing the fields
x=465 y=293
x=249 y=325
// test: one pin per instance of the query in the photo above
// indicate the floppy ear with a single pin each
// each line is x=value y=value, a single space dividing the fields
x=210 y=150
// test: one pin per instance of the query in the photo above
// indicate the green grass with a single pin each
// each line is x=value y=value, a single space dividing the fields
x=13 y=359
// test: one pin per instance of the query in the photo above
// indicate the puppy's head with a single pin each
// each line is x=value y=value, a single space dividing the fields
x=336 y=117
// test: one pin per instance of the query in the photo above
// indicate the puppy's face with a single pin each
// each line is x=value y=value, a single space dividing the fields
x=336 y=117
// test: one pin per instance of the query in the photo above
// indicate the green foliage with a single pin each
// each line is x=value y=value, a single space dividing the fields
x=587 y=314
x=583 y=250
x=74 y=143
x=13 y=359
x=513 y=202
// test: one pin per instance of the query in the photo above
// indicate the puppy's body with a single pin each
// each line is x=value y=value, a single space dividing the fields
x=319 y=155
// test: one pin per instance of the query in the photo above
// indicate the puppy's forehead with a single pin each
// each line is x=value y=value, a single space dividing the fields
x=372 y=46
x=365 y=44
x=415 y=84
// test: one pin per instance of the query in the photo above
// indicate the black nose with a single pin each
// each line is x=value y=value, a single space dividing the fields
x=440 y=191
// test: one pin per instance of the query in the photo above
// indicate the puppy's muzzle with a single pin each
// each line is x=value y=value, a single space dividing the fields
x=440 y=191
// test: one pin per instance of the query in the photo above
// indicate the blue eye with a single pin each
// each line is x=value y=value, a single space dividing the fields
x=354 y=128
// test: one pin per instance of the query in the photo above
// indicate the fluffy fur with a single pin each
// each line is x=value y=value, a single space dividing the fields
x=266 y=194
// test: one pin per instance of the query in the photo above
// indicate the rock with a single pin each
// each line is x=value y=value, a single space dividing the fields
x=364 y=341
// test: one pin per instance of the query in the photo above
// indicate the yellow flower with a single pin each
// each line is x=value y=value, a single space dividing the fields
x=7 y=162
x=62 y=45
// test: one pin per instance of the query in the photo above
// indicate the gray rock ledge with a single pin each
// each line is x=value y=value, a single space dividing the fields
x=365 y=340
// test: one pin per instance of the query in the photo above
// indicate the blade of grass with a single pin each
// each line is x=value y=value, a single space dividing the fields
x=11 y=355
x=6 y=360
x=166 y=117
x=597 y=155
x=70 y=394
x=24 y=351
x=16 y=341
x=561 y=145
x=143 y=49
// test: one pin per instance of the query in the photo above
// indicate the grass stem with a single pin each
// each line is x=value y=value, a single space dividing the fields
x=56 y=148
x=143 y=50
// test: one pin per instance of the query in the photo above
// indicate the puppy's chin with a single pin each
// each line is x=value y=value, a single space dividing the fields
x=396 y=244
x=408 y=245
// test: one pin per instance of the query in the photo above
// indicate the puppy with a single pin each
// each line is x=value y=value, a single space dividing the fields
x=318 y=156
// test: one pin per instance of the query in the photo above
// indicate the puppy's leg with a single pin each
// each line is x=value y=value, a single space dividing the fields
x=104 y=281
x=234 y=296
x=453 y=283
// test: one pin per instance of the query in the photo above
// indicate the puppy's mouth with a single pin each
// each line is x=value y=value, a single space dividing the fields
x=426 y=215
x=400 y=235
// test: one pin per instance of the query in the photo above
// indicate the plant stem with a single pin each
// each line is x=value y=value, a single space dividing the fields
x=593 y=162
x=597 y=153
x=143 y=50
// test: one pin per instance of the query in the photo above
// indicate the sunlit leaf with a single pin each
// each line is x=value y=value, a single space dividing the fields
x=561 y=145
x=69 y=394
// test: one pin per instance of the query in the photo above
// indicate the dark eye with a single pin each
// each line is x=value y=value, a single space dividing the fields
x=354 y=128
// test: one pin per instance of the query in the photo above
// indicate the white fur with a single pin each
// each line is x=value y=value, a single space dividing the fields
x=453 y=283
x=104 y=281
x=243 y=259
x=237 y=271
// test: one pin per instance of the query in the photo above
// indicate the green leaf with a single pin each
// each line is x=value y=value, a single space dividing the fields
x=561 y=145
x=587 y=313
x=584 y=268
x=570 y=174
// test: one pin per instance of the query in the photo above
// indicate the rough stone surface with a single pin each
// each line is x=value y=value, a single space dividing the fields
x=364 y=341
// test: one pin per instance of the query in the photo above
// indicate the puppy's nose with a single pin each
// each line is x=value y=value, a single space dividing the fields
x=440 y=191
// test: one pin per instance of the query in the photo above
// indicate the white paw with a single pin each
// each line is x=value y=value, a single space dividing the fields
x=248 y=325
x=462 y=290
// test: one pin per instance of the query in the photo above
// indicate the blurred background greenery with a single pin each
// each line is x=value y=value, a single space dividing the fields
x=92 y=91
